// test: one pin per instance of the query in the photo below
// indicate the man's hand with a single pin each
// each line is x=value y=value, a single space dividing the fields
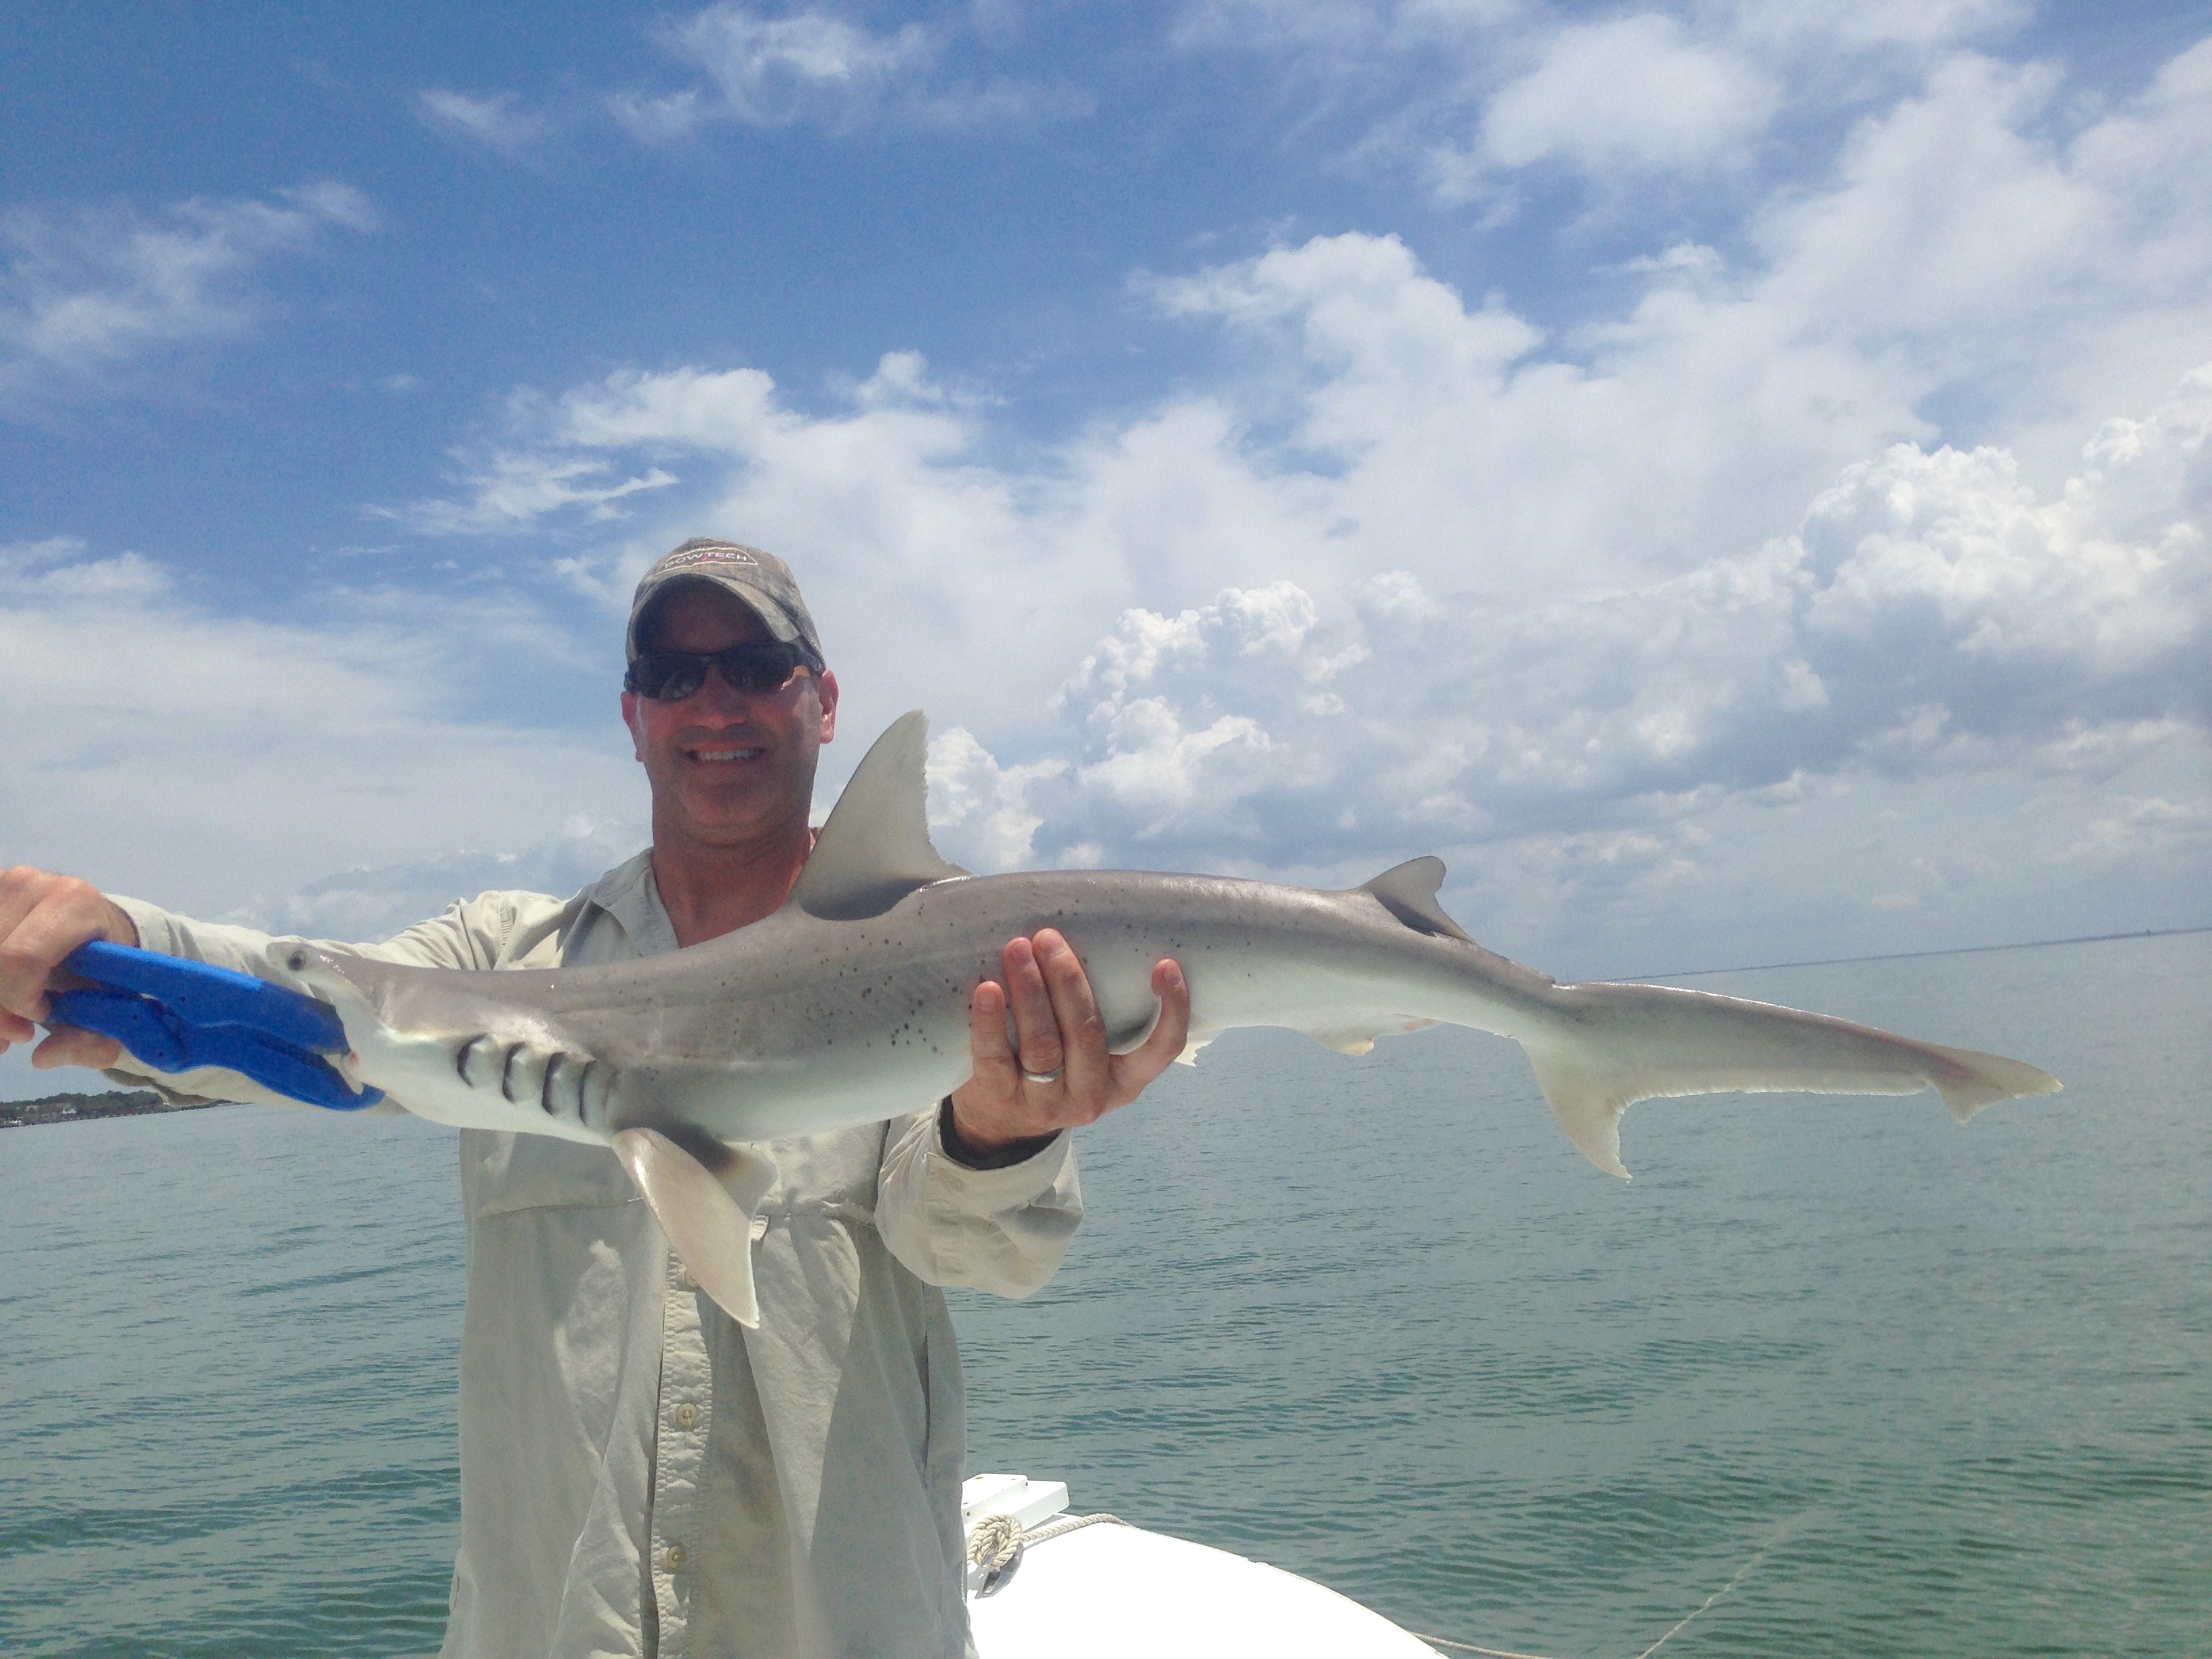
x=1060 y=1031
x=44 y=917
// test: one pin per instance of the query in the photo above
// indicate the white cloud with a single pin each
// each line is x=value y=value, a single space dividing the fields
x=1570 y=570
x=1339 y=34
x=1603 y=765
x=1815 y=28
x=1929 y=616
x=814 y=67
x=2111 y=576
x=497 y=120
x=774 y=71
x=510 y=489
x=87 y=291
x=978 y=809
x=269 y=752
x=1469 y=95
x=374 y=903
x=2146 y=824
x=1628 y=97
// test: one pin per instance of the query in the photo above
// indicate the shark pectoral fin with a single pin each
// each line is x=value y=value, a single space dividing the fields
x=1200 y=1036
x=702 y=1192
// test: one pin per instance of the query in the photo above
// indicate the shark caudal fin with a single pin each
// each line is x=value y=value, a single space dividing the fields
x=1984 y=1079
x=875 y=848
x=1624 y=1043
x=704 y=1191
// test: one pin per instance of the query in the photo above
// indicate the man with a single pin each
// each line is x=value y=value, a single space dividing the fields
x=639 y=1473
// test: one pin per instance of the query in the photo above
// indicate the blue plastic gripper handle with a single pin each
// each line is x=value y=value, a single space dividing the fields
x=202 y=993
x=174 y=1015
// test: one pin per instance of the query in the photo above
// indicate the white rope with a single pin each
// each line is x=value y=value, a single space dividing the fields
x=1469 y=1647
x=1068 y=1523
x=996 y=1538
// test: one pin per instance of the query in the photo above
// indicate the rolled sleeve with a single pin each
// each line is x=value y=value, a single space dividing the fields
x=1001 y=1230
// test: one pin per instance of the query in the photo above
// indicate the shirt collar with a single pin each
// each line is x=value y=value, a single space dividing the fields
x=629 y=894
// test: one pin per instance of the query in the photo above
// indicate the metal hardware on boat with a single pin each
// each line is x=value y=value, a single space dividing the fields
x=995 y=1547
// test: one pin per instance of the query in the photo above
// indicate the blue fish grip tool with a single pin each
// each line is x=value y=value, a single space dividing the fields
x=175 y=1014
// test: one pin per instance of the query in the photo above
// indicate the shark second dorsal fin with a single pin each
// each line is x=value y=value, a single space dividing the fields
x=1408 y=892
x=875 y=848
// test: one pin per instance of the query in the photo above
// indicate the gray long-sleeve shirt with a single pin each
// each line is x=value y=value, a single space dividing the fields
x=641 y=1475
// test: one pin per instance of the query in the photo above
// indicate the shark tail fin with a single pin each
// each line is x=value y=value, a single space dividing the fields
x=704 y=1191
x=1984 y=1079
x=1632 y=1042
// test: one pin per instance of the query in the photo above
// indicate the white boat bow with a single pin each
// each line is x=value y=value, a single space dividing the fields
x=1042 y=1582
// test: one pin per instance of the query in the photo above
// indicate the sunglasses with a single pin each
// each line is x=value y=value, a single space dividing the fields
x=673 y=676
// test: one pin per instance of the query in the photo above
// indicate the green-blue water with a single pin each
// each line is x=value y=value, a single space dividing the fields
x=1944 y=1390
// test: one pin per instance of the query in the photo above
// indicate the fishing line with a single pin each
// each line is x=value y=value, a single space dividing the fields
x=1781 y=1537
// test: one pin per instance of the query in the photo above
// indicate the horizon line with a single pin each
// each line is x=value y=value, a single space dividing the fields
x=1906 y=956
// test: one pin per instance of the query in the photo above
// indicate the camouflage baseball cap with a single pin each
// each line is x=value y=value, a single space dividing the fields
x=761 y=581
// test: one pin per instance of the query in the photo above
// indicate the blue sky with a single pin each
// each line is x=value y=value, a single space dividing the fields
x=1730 y=477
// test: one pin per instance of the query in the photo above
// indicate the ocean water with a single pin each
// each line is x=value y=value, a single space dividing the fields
x=1889 y=1385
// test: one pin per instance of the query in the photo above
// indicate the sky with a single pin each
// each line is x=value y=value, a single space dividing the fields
x=1731 y=478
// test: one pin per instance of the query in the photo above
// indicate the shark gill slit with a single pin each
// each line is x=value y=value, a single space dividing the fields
x=465 y=1056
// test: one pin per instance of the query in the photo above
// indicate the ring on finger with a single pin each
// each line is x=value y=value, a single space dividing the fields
x=1053 y=1076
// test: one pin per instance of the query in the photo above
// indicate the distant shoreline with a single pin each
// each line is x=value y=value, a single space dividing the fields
x=86 y=1109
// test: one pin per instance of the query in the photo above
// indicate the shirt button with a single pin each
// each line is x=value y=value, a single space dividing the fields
x=676 y=1558
x=687 y=1417
x=689 y=1283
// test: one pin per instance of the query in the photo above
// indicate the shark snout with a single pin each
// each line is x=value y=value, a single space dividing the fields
x=318 y=971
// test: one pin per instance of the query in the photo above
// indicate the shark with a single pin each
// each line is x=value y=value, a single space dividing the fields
x=851 y=1004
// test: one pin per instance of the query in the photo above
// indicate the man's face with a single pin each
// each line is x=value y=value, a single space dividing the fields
x=727 y=767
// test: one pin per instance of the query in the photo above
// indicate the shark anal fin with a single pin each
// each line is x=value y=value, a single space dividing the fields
x=1356 y=1037
x=875 y=850
x=702 y=1192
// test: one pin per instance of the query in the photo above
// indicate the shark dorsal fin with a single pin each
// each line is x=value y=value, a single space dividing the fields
x=1408 y=892
x=875 y=848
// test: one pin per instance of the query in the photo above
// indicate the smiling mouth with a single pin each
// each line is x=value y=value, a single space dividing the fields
x=727 y=754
